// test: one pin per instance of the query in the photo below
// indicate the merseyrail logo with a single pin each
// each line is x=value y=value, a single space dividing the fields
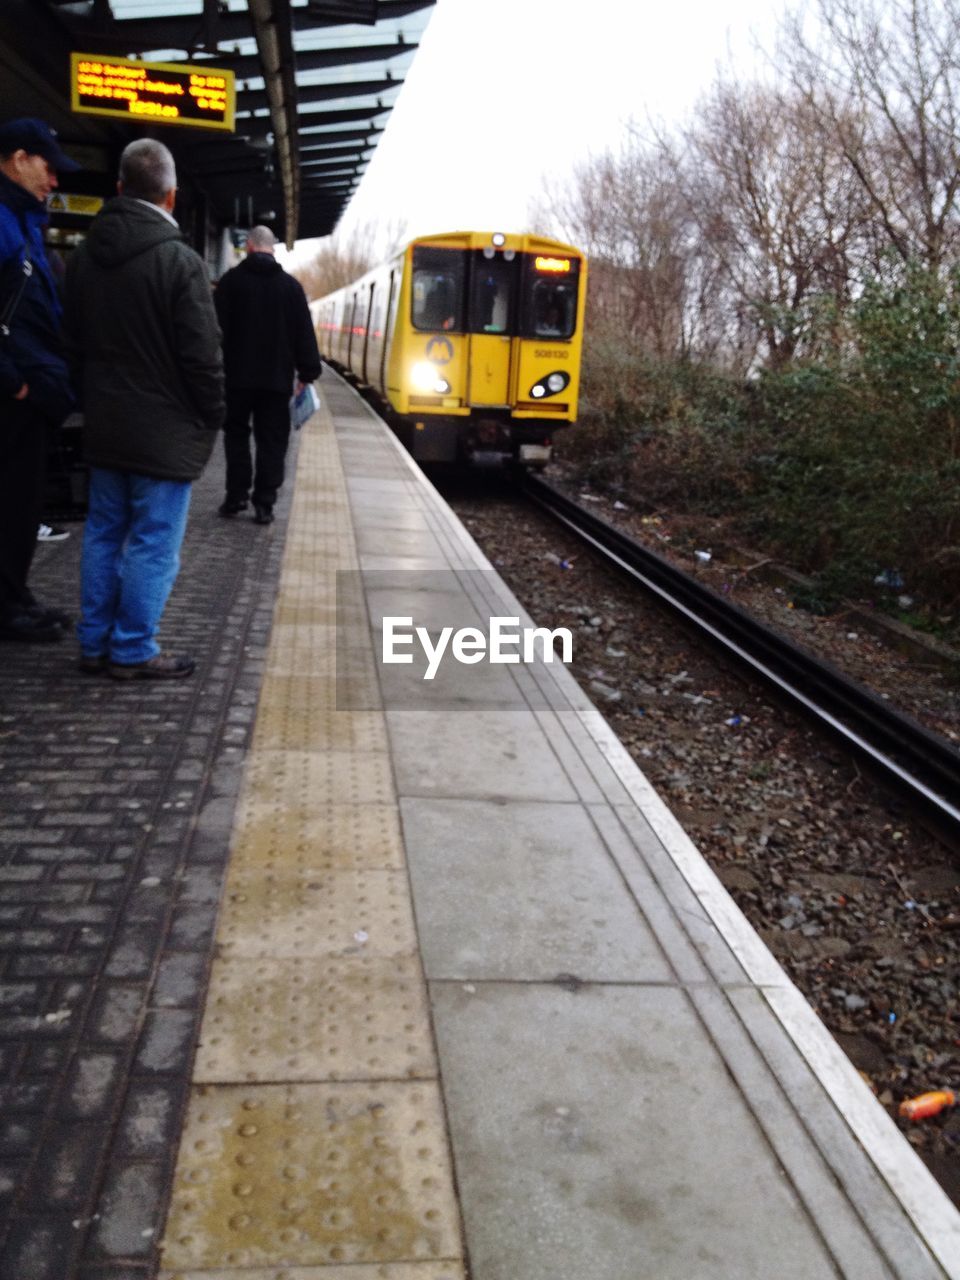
x=440 y=350
x=505 y=643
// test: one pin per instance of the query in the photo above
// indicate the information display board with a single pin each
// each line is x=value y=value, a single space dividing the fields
x=194 y=94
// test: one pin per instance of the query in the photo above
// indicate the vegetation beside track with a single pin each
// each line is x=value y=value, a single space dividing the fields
x=846 y=466
x=773 y=330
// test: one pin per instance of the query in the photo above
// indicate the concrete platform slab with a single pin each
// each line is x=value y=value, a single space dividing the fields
x=523 y=891
x=478 y=752
x=573 y=1106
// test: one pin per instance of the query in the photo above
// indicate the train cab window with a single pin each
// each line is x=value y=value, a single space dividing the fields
x=437 y=289
x=553 y=309
x=491 y=293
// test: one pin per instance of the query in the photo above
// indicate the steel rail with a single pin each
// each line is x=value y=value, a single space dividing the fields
x=915 y=758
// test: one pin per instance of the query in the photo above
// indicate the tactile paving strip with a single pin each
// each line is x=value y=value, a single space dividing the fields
x=339 y=837
x=315 y=1147
x=286 y=914
x=361 y=1018
x=308 y=780
x=387 y=1271
x=298 y=713
x=308 y=1174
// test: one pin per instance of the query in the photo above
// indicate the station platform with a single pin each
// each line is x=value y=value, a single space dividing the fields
x=312 y=968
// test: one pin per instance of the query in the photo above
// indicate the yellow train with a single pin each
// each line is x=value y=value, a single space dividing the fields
x=471 y=339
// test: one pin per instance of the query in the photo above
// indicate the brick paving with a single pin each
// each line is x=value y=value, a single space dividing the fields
x=116 y=803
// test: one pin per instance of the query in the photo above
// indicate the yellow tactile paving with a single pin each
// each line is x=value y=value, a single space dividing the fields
x=451 y=1270
x=302 y=649
x=315 y=779
x=314 y=1146
x=317 y=913
x=340 y=837
x=285 y=1174
x=363 y=1017
x=299 y=713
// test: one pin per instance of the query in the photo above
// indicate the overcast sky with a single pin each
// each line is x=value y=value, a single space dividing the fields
x=502 y=93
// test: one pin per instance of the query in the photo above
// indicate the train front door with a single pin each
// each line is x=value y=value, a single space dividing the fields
x=491 y=304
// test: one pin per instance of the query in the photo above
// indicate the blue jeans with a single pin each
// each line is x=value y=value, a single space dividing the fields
x=130 y=560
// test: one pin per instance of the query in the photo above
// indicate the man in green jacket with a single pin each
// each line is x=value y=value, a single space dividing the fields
x=143 y=340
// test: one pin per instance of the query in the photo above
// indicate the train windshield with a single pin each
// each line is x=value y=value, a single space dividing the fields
x=491 y=294
x=437 y=288
x=468 y=292
x=550 y=297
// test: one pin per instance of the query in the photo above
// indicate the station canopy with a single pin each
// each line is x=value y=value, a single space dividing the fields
x=315 y=83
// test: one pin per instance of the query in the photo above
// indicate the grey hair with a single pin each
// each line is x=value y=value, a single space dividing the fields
x=147 y=170
x=261 y=238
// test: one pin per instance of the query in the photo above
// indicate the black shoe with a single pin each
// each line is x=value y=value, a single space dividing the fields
x=262 y=515
x=165 y=666
x=93 y=665
x=230 y=508
x=30 y=628
x=45 y=614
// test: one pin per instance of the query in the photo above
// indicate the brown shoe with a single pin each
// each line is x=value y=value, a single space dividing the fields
x=164 y=666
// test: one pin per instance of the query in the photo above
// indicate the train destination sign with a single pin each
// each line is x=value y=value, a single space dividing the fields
x=193 y=94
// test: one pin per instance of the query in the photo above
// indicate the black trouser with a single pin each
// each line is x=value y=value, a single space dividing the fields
x=23 y=451
x=270 y=411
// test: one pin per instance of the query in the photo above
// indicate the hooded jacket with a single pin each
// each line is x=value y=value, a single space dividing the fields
x=141 y=333
x=33 y=353
x=267 y=330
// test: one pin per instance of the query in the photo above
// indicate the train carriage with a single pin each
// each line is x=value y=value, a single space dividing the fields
x=471 y=339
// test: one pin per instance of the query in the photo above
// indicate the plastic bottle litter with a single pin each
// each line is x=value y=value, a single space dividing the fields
x=927 y=1104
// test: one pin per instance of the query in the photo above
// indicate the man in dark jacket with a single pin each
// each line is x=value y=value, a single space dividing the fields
x=142 y=332
x=35 y=393
x=267 y=335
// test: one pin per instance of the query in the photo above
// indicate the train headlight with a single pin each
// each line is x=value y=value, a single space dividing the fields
x=425 y=377
x=550 y=384
x=499 y=239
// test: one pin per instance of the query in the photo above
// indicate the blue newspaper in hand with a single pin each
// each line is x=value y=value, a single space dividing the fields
x=303 y=406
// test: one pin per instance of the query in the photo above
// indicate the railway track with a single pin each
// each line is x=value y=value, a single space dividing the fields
x=917 y=761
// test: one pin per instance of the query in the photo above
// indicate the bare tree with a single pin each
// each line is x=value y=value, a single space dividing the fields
x=343 y=257
x=882 y=81
x=777 y=211
x=627 y=212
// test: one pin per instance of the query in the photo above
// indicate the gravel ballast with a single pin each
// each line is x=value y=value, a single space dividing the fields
x=859 y=902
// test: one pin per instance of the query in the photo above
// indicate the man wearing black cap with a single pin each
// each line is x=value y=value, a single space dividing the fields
x=35 y=393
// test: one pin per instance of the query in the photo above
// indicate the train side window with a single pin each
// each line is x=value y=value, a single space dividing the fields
x=437 y=289
x=553 y=309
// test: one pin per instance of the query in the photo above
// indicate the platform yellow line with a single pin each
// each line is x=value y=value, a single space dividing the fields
x=315 y=1145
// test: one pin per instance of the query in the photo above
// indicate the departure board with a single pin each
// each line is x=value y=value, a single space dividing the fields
x=193 y=94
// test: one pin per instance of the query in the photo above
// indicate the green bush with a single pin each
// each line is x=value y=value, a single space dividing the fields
x=844 y=466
